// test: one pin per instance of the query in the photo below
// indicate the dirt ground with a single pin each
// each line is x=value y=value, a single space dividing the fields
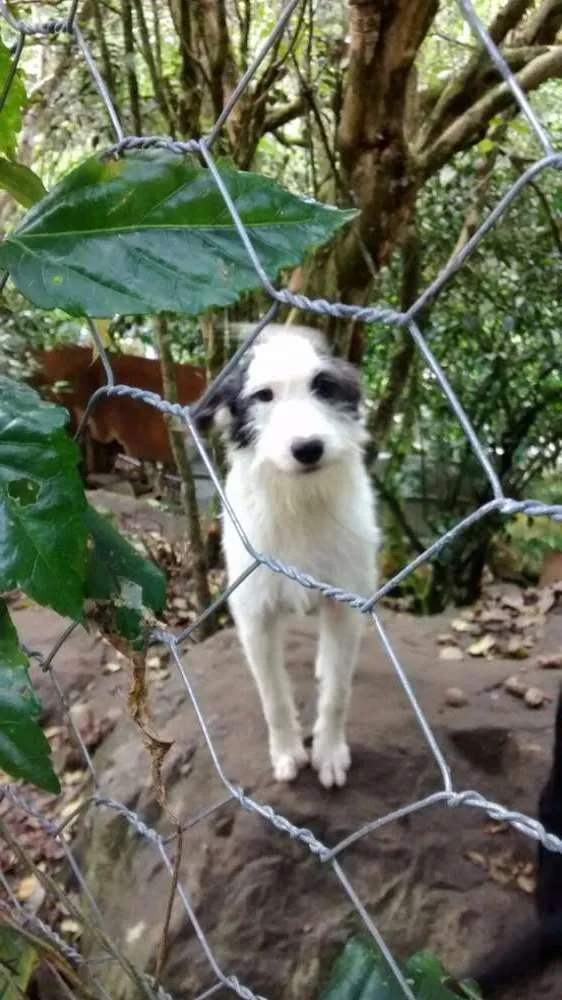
x=448 y=879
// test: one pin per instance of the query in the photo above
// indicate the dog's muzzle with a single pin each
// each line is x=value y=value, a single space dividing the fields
x=308 y=452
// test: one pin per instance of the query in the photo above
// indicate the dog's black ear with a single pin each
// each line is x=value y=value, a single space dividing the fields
x=216 y=409
x=348 y=378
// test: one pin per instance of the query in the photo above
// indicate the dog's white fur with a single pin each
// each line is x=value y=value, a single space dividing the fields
x=322 y=521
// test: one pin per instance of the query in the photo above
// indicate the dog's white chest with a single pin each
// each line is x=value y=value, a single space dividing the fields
x=328 y=534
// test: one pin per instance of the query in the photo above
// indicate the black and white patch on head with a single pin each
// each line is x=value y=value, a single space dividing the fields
x=339 y=385
x=229 y=410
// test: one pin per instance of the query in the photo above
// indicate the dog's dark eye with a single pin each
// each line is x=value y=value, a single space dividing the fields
x=263 y=396
x=324 y=386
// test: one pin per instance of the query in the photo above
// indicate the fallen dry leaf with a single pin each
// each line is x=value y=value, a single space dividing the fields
x=52 y=731
x=513 y=601
x=461 y=625
x=497 y=826
x=477 y=859
x=499 y=873
x=26 y=887
x=482 y=646
x=451 y=653
x=70 y=807
x=70 y=926
x=527 y=883
x=76 y=777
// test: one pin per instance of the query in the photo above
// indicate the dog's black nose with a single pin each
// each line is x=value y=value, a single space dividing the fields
x=308 y=451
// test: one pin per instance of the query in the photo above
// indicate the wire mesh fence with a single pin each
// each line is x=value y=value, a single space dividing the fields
x=448 y=794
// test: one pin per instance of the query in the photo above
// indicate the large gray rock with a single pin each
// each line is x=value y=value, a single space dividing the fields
x=273 y=914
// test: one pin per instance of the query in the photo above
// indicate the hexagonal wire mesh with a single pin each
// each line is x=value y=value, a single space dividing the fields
x=365 y=604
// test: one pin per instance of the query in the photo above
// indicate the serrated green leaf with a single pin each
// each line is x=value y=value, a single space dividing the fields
x=151 y=231
x=10 y=115
x=360 y=972
x=117 y=573
x=24 y=750
x=42 y=502
x=20 y=182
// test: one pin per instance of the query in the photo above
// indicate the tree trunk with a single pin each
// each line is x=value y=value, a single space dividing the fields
x=132 y=82
x=376 y=166
x=149 y=57
x=188 y=490
x=190 y=98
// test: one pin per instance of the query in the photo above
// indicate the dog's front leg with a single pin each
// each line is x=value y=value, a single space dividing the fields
x=262 y=639
x=340 y=633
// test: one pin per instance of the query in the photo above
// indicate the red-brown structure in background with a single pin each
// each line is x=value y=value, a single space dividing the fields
x=118 y=424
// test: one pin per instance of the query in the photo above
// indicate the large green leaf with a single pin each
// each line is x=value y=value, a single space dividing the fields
x=10 y=115
x=126 y=581
x=150 y=232
x=42 y=503
x=24 y=750
x=361 y=973
x=20 y=182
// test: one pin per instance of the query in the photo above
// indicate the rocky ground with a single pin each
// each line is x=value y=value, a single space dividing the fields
x=448 y=879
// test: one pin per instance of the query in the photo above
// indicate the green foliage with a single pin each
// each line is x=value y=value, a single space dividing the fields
x=530 y=539
x=360 y=972
x=151 y=229
x=24 y=750
x=42 y=503
x=61 y=552
x=495 y=330
x=20 y=182
x=11 y=114
x=118 y=576
x=17 y=961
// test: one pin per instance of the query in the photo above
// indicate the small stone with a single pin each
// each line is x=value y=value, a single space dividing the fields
x=455 y=697
x=552 y=661
x=450 y=653
x=534 y=698
x=515 y=686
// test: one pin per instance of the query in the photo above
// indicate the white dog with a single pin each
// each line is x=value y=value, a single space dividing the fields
x=292 y=418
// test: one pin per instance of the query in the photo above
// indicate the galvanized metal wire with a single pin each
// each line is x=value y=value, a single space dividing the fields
x=447 y=794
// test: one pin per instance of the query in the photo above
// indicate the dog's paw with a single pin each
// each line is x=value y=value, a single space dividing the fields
x=287 y=758
x=332 y=760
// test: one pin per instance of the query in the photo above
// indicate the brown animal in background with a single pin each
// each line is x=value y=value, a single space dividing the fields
x=134 y=427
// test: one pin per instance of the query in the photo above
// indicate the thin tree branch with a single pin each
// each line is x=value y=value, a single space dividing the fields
x=284 y=115
x=508 y=18
x=132 y=82
x=468 y=128
x=148 y=54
